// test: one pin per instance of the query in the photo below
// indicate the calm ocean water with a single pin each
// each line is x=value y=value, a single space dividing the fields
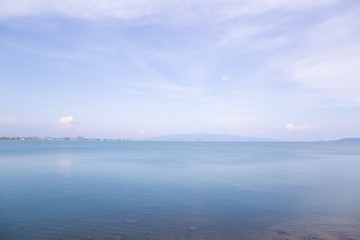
x=179 y=190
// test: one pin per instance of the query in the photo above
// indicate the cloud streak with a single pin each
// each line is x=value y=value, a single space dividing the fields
x=175 y=11
x=292 y=127
x=328 y=59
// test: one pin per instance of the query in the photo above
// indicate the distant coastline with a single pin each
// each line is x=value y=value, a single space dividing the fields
x=347 y=140
x=173 y=138
x=61 y=139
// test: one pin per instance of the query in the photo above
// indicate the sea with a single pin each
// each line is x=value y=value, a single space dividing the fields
x=133 y=190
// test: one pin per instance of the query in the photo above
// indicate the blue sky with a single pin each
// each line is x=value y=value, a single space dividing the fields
x=286 y=69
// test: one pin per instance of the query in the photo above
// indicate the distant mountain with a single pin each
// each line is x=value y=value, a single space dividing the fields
x=348 y=140
x=210 y=137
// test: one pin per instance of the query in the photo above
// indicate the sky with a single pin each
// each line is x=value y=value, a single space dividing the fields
x=284 y=69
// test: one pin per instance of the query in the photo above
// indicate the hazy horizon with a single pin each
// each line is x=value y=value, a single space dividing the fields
x=286 y=69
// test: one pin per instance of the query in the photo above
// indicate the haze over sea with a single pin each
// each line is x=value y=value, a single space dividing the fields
x=179 y=190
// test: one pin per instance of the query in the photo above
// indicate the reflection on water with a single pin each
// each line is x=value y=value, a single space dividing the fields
x=182 y=191
x=64 y=163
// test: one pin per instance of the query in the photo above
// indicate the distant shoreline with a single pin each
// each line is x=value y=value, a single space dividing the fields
x=343 y=140
x=60 y=139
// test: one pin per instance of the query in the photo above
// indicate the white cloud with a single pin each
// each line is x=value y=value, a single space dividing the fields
x=292 y=126
x=250 y=37
x=66 y=120
x=337 y=73
x=328 y=58
x=175 y=11
x=241 y=34
x=67 y=124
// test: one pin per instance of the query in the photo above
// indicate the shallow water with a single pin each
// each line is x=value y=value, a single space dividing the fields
x=179 y=190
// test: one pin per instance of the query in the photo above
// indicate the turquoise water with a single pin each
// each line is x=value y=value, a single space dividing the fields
x=179 y=190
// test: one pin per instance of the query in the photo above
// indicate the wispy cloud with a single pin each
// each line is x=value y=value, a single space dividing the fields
x=328 y=57
x=336 y=72
x=292 y=126
x=242 y=34
x=134 y=92
x=225 y=78
x=175 y=11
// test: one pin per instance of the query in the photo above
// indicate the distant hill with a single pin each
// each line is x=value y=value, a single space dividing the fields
x=210 y=137
x=347 y=140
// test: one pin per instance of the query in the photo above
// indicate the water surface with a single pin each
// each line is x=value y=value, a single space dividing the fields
x=179 y=190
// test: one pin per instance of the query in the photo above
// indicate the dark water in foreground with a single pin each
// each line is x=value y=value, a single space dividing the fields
x=182 y=191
